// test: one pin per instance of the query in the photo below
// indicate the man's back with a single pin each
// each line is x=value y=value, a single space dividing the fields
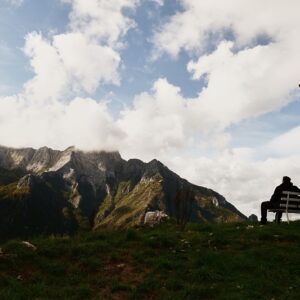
x=285 y=186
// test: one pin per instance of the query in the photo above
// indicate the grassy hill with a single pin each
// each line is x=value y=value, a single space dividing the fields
x=226 y=261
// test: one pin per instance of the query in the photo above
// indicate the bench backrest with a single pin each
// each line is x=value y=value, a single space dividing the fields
x=290 y=200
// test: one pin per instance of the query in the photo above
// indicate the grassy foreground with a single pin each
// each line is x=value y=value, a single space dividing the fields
x=232 y=261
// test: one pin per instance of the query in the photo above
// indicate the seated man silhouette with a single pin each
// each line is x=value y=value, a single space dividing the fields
x=274 y=202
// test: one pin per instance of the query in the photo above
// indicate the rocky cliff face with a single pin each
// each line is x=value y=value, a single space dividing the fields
x=49 y=191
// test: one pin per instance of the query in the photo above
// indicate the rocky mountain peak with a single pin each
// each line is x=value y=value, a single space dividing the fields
x=47 y=159
x=98 y=188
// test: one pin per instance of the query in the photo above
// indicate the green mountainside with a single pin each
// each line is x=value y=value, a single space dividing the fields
x=204 y=261
x=47 y=191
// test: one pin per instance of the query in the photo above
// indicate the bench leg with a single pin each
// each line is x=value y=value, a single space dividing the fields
x=287 y=217
x=287 y=205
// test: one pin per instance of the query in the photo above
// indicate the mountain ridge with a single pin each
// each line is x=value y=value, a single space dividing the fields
x=97 y=189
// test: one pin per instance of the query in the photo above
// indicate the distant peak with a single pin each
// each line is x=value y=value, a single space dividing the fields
x=44 y=149
x=71 y=148
x=111 y=154
x=155 y=162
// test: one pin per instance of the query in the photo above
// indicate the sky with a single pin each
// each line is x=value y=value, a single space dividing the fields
x=210 y=88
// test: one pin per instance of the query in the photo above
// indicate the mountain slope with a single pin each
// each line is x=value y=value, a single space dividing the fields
x=48 y=191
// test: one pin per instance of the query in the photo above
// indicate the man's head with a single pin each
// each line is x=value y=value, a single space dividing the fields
x=286 y=179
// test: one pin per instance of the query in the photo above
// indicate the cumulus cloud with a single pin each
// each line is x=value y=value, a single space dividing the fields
x=244 y=78
x=202 y=22
x=104 y=21
x=244 y=84
x=156 y=122
x=82 y=122
x=50 y=78
x=163 y=121
x=96 y=31
x=77 y=61
x=70 y=71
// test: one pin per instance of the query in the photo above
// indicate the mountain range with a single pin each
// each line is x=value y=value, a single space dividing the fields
x=51 y=191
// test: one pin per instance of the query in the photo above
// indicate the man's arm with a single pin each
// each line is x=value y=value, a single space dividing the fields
x=276 y=195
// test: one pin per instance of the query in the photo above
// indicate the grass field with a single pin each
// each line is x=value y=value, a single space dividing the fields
x=229 y=261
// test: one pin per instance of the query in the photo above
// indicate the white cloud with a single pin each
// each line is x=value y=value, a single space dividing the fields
x=91 y=64
x=155 y=122
x=248 y=83
x=104 y=20
x=70 y=71
x=79 y=60
x=96 y=31
x=163 y=121
x=82 y=122
x=242 y=82
x=286 y=144
x=191 y=29
x=51 y=78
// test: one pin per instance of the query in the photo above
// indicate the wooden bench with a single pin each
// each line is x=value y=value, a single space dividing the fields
x=289 y=203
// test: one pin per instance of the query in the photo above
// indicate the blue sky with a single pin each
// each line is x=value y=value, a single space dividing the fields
x=15 y=23
x=198 y=85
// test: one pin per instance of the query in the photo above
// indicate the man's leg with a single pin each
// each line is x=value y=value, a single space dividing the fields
x=264 y=209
